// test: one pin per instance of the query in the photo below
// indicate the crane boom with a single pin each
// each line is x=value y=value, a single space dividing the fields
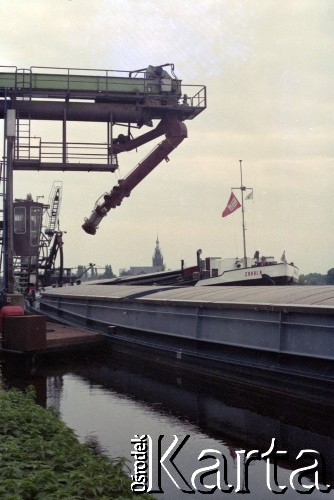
x=175 y=131
x=52 y=214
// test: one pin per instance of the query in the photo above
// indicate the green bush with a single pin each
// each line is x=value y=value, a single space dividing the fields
x=41 y=458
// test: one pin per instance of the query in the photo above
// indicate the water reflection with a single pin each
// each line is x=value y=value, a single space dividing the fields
x=109 y=400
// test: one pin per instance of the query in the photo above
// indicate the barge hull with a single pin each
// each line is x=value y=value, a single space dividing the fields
x=282 y=330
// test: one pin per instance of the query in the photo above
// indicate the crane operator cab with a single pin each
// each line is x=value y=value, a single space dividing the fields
x=27 y=226
x=28 y=216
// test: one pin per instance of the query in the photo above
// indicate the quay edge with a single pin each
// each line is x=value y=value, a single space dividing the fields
x=286 y=331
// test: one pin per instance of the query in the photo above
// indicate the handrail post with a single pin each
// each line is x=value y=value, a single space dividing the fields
x=9 y=215
x=64 y=155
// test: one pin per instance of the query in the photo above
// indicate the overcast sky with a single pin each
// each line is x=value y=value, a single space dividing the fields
x=268 y=69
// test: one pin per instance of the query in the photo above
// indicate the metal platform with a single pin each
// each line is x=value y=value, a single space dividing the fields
x=134 y=98
x=49 y=93
x=60 y=338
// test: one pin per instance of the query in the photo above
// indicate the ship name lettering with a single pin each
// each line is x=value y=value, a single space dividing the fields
x=253 y=273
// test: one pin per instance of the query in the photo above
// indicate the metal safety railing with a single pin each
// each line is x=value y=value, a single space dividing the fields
x=75 y=152
x=85 y=81
x=82 y=80
x=195 y=100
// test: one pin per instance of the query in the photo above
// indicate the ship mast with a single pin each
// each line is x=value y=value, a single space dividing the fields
x=242 y=189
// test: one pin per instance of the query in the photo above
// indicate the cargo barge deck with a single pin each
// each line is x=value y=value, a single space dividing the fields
x=279 y=330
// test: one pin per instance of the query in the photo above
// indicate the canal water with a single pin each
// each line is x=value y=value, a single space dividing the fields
x=111 y=399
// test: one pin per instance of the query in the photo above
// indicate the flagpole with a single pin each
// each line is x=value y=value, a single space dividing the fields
x=242 y=188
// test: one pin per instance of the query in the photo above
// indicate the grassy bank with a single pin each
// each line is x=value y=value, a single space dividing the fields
x=41 y=458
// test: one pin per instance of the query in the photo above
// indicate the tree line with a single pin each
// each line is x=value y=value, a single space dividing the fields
x=317 y=278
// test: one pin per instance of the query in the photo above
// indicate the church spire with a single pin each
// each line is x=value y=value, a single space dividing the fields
x=157 y=260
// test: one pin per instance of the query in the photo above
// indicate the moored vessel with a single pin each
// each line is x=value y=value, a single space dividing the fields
x=258 y=271
x=245 y=271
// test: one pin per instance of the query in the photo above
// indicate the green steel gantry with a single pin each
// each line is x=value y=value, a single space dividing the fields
x=132 y=99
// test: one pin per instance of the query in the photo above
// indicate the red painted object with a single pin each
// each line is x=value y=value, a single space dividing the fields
x=10 y=311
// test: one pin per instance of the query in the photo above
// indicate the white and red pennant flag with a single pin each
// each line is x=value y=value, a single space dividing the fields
x=232 y=205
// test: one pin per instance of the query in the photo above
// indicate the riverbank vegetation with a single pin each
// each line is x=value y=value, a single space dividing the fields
x=41 y=458
x=317 y=278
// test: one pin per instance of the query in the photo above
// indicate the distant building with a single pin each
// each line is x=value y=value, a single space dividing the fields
x=157 y=259
x=157 y=264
